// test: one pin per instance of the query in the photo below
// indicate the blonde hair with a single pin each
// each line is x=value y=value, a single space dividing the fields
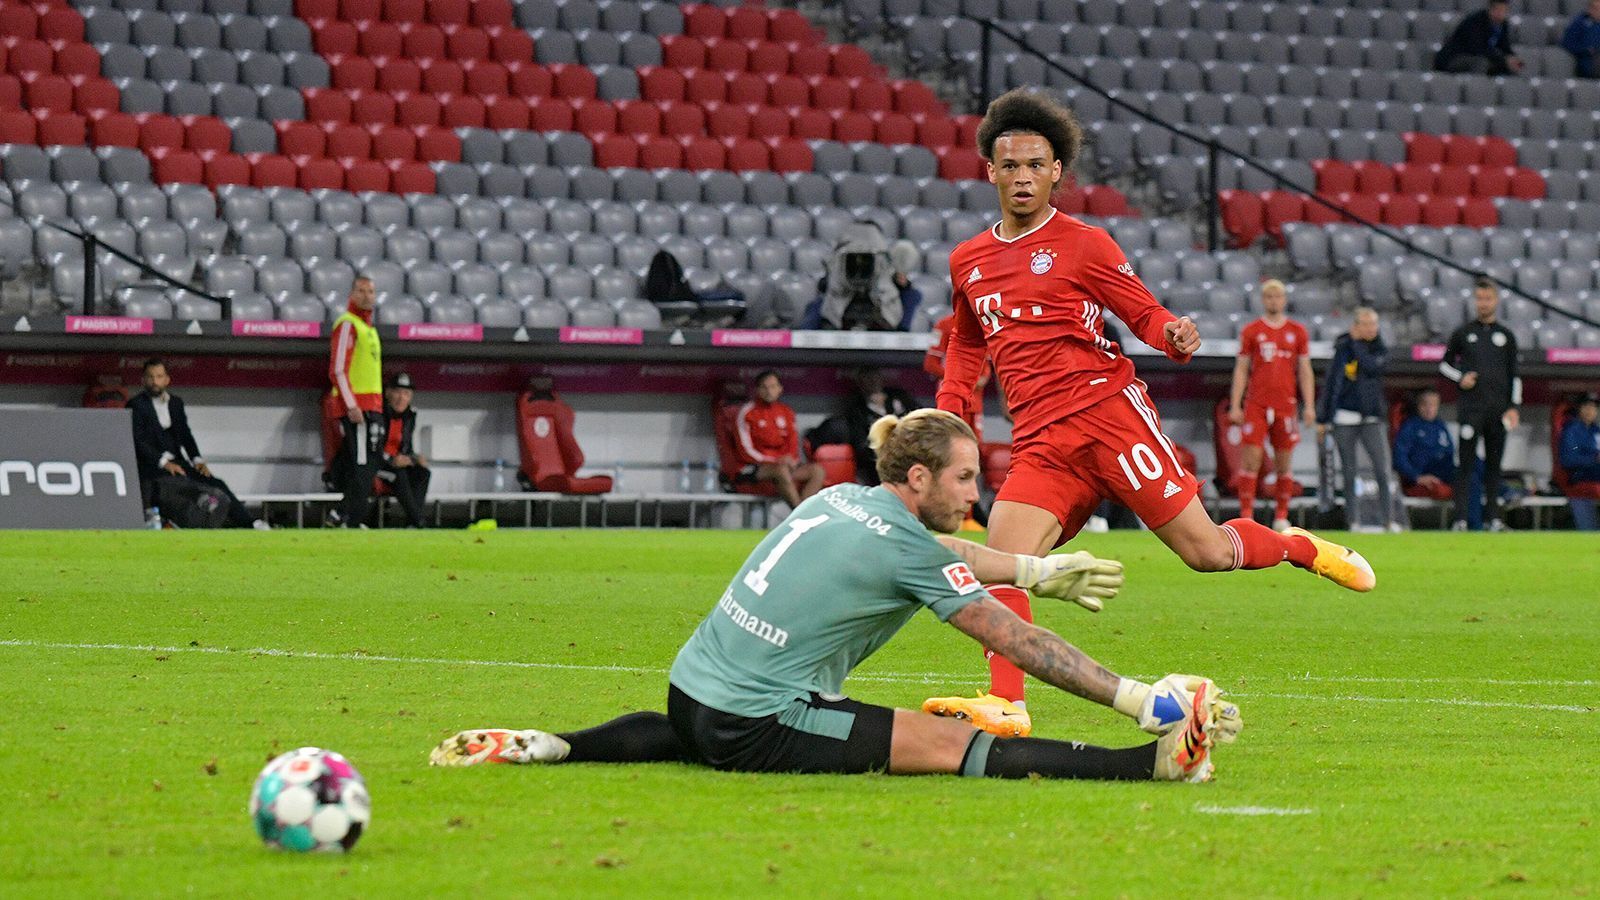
x=920 y=436
x=1274 y=284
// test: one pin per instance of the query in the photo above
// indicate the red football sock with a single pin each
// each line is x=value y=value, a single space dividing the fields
x=1255 y=546
x=1287 y=489
x=1005 y=679
x=1246 y=486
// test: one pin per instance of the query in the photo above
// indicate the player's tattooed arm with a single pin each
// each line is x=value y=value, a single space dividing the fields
x=991 y=566
x=1038 y=651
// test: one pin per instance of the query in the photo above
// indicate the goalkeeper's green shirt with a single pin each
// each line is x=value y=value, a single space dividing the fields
x=821 y=593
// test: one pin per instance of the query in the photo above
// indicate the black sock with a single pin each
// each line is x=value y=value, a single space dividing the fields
x=635 y=737
x=1023 y=757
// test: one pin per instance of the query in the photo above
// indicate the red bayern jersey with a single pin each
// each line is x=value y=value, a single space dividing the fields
x=1274 y=355
x=1034 y=305
x=767 y=432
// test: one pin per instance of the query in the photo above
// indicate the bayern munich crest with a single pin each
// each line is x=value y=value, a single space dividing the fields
x=1042 y=261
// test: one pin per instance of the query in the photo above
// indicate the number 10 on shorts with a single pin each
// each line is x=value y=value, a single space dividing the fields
x=1145 y=459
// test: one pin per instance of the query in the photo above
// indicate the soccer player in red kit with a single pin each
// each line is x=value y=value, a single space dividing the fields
x=1275 y=364
x=1029 y=293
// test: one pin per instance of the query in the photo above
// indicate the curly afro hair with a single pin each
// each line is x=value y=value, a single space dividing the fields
x=1024 y=111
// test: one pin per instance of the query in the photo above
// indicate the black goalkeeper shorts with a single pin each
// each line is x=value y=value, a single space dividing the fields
x=814 y=735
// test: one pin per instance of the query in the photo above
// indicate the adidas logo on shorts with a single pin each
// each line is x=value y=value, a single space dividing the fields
x=1170 y=489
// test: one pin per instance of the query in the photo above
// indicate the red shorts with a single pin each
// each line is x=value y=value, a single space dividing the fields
x=1263 y=422
x=1112 y=450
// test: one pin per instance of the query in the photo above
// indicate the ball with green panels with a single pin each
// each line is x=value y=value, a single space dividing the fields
x=310 y=799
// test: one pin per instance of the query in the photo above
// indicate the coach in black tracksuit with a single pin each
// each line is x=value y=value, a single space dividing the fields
x=1481 y=359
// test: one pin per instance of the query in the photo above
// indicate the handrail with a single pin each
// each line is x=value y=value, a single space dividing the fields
x=92 y=245
x=1215 y=149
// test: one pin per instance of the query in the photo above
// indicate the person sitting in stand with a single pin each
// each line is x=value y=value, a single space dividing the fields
x=1424 y=453
x=769 y=443
x=403 y=468
x=1580 y=456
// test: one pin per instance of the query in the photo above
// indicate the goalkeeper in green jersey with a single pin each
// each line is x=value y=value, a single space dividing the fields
x=758 y=687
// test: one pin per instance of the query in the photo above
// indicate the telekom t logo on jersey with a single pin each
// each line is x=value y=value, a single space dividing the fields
x=992 y=312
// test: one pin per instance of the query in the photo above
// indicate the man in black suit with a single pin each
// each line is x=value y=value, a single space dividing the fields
x=403 y=468
x=1481 y=44
x=166 y=448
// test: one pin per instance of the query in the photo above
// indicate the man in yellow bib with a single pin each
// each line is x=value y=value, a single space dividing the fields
x=355 y=367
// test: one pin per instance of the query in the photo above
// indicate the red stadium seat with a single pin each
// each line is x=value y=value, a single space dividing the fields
x=1440 y=211
x=1069 y=200
x=510 y=45
x=1496 y=151
x=10 y=87
x=935 y=131
x=615 y=151
x=725 y=428
x=530 y=81
x=463 y=111
x=331 y=37
x=418 y=109
x=95 y=95
x=301 y=139
x=956 y=163
x=399 y=75
x=491 y=14
x=838 y=462
x=1491 y=181
x=443 y=76
x=894 y=128
x=1320 y=214
x=326 y=105
x=29 y=55
x=594 y=116
x=424 y=41
x=682 y=119
x=61 y=127
x=1461 y=150
x=437 y=144
x=1360 y=206
x=551 y=114
x=725 y=120
x=850 y=61
x=1526 y=184
x=790 y=155
x=914 y=97
x=657 y=83
x=17 y=127
x=373 y=108
x=1400 y=209
x=380 y=39
x=162 y=132
x=789 y=25
x=996 y=461
x=316 y=9
x=701 y=153
x=1453 y=181
x=1371 y=178
x=809 y=60
x=506 y=112
x=318 y=174
x=77 y=58
x=550 y=453
x=968 y=127
x=404 y=10
x=768 y=58
x=464 y=42
x=811 y=124
x=747 y=23
x=829 y=92
x=851 y=127
x=1588 y=490
x=487 y=78
x=19 y=20
x=681 y=51
x=271 y=170
x=1243 y=216
x=1423 y=148
x=113 y=130
x=660 y=152
x=698 y=86
x=365 y=175
x=390 y=142
x=1279 y=207
x=1104 y=200
x=348 y=141
x=727 y=55
x=363 y=11
x=1415 y=178
x=573 y=80
x=1479 y=212
x=411 y=178
x=207 y=133
x=447 y=12
x=748 y=155
x=637 y=117
x=746 y=89
x=353 y=72
x=1334 y=176
x=60 y=23
x=785 y=90
x=178 y=166
x=226 y=168
x=702 y=20
x=870 y=95
x=52 y=92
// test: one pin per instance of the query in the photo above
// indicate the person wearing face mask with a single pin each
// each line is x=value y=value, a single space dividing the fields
x=1352 y=405
x=169 y=457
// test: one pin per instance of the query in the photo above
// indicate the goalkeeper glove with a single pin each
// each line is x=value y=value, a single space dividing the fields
x=1163 y=706
x=1079 y=577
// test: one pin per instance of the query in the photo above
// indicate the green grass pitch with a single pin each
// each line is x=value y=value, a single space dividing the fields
x=1434 y=738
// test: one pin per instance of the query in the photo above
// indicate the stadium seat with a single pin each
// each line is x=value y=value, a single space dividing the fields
x=838 y=462
x=550 y=453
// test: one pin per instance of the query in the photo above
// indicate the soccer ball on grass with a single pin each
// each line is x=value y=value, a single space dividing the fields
x=310 y=799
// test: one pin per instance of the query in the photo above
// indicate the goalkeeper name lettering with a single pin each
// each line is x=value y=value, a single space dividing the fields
x=855 y=511
x=757 y=626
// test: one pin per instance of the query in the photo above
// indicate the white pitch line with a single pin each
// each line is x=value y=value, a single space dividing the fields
x=1371 y=679
x=882 y=677
x=1213 y=810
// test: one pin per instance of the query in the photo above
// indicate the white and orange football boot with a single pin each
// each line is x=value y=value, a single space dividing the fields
x=993 y=714
x=1338 y=563
x=1184 y=754
x=499 y=745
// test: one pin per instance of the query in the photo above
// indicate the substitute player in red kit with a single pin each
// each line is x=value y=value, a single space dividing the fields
x=1274 y=369
x=1030 y=293
x=769 y=443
